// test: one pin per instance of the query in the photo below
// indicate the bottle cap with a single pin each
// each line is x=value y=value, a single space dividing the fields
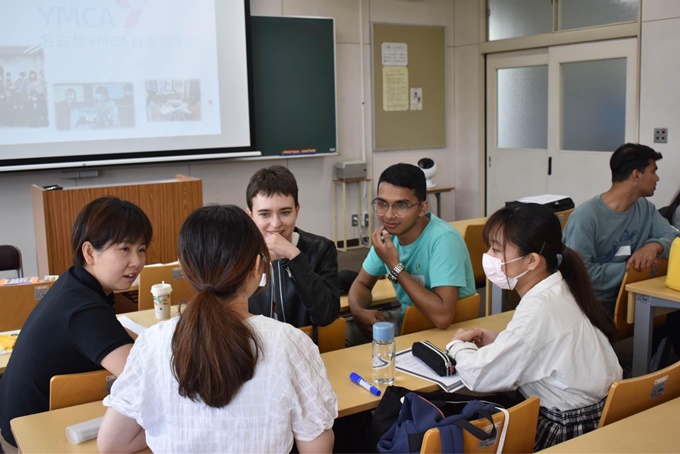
x=161 y=289
x=383 y=331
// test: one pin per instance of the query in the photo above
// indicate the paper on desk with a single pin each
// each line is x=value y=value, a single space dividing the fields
x=542 y=199
x=132 y=326
x=408 y=363
x=7 y=341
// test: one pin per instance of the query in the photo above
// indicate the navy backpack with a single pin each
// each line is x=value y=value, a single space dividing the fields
x=418 y=415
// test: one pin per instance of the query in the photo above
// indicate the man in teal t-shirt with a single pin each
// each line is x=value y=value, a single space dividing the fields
x=621 y=228
x=425 y=257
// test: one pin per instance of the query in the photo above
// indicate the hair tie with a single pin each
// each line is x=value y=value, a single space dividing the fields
x=559 y=259
x=207 y=288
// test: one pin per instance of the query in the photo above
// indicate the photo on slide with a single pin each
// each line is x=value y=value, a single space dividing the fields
x=173 y=100
x=23 y=94
x=94 y=105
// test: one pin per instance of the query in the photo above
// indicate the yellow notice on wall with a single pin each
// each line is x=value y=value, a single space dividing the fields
x=395 y=88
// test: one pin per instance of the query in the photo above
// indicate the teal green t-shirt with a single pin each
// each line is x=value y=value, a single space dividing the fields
x=437 y=258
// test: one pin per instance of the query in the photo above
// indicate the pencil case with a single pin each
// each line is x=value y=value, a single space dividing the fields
x=435 y=358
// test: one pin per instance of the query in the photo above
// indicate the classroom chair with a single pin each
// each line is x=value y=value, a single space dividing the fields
x=18 y=301
x=10 y=259
x=519 y=437
x=474 y=240
x=563 y=216
x=633 y=395
x=623 y=328
x=74 y=389
x=330 y=337
x=170 y=273
x=414 y=320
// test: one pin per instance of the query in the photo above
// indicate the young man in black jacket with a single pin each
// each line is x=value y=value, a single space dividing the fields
x=304 y=288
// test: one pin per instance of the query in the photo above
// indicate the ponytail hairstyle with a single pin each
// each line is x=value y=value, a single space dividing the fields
x=534 y=228
x=214 y=351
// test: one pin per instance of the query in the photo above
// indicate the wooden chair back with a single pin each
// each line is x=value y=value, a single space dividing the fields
x=518 y=439
x=414 y=320
x=563 y=216
x=170 y=273
x=623 y=328
x=474 y=240
x=330 y=337
x=74 y=389
x=633 y=395
x=17 y=302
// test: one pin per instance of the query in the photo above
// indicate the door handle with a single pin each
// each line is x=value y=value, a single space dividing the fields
x=550 y=165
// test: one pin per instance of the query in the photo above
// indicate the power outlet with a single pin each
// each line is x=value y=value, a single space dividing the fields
x=355 y=220
x=365 y=219
x=660 y=135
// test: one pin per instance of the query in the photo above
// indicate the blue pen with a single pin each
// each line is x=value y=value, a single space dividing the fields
x=364 y=384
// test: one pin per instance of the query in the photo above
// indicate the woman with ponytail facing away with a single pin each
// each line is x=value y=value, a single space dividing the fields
x=216 y=378
x=557 y=345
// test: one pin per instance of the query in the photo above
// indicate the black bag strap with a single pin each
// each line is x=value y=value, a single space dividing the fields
x=478 y=433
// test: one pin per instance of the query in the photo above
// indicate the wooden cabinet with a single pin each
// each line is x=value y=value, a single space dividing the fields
x=166 y=203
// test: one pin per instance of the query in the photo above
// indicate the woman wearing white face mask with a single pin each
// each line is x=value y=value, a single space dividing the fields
x=557 y=345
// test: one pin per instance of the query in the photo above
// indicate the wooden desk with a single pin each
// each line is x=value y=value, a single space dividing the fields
x=652 y=430
x=644 y=296
x=45 y=432
x=437 y=191
x=340 y=363
x=383 y=293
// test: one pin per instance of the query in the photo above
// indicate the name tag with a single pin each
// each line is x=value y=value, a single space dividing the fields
x=624 y=251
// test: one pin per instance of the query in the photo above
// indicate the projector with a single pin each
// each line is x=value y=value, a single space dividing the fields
x=350 y=170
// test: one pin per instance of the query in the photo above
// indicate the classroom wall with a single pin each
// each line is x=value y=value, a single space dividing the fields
x=659 y=93
x=225 y=182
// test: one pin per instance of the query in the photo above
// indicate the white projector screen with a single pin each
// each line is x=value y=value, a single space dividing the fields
x=115 y=81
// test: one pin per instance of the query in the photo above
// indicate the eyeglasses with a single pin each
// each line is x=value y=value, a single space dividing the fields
x=398 y=209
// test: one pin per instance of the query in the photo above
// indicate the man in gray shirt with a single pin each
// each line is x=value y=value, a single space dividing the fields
x=621 y=228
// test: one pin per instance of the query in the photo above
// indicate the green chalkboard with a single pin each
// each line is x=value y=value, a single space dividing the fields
x=293 y=70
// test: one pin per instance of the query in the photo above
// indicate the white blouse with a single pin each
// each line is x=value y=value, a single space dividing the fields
x=549 y=349
x=288 y=397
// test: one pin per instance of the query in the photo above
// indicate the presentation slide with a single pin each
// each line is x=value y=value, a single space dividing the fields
x=82 y=80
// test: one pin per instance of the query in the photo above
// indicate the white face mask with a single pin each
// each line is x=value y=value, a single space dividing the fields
x=492 y=269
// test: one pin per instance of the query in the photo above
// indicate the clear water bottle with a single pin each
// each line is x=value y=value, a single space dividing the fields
x=384 y=350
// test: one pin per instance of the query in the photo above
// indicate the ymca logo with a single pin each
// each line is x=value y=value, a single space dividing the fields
x=136 y=8
x=95 y=17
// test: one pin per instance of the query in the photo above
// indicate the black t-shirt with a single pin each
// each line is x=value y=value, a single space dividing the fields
x=71 y=330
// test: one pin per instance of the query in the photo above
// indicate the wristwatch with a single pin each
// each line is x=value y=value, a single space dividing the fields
x=398 y=268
